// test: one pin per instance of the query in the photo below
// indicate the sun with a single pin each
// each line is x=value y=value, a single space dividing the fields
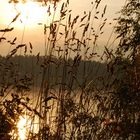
x=31 y=13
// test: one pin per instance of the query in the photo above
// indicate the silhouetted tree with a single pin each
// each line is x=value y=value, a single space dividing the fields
x=128 y=28
x=125 y=98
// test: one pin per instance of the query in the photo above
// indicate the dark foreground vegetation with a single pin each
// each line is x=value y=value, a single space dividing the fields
x=77 y=98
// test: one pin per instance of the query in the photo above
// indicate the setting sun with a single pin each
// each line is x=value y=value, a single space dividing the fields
x=30 y=12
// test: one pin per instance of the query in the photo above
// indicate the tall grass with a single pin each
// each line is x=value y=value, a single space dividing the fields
x=69 y=104
x=63 y=111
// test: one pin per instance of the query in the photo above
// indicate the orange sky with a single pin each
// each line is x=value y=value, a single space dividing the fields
x=34 y=33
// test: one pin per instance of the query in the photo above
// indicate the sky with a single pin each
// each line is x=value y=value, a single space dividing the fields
x=29 y=31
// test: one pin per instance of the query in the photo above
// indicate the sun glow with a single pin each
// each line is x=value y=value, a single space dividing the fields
x=30 y=12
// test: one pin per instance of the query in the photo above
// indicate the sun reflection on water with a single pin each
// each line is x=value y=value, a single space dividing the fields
x=25 y=126
x=22 y=128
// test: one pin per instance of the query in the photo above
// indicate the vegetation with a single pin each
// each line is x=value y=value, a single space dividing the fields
x=67 y=93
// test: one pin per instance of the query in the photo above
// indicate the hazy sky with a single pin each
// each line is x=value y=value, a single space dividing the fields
x=33 y=32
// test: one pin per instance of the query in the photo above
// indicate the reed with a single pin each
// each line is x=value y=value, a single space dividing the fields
x=69 y=102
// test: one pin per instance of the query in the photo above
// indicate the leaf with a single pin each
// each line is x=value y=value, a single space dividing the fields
x=89 y=16
x=96 y=17
x=105 y=9
x=69 y=19
x=82 y=25
x=2 y=38
x=16 y=17
x=31 y=47
x=97 y=12
x=7 y=30
x=40 y=23
x=102 y=26
x=21 y=45
x=25 y=51
x=83 y=18
x=13 y=42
